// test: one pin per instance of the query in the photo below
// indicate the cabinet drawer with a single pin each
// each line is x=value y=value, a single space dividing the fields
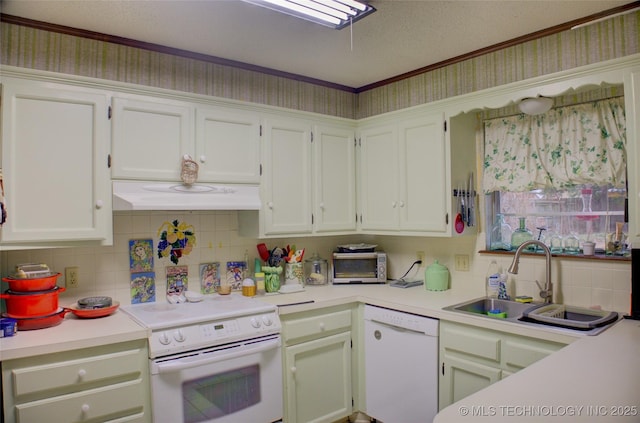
x=316 y=325
x=471 y=342
x=521 y=352
x=76 y=373
x=109 y=402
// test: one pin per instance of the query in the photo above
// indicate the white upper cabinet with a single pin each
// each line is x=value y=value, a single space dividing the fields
x=379 y=178
x=423 y=171
x=308 y=179
x=286 y=178
x=334 y=183
x=150 y=137
x=55 y=147
x=227 y=145
x=403 y=175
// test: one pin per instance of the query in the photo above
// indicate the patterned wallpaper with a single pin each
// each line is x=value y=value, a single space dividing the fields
x=31 y=48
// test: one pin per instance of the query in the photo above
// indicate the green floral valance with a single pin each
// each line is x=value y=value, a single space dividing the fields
x=565 y=147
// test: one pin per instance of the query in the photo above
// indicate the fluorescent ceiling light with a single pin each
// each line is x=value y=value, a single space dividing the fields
x=332 y=13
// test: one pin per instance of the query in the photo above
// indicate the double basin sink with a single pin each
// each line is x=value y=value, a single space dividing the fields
x=574 y=319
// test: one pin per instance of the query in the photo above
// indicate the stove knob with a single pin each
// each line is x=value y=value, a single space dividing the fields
x=255 y=322
x=179 y=335
x=267 y=320
x=164 y=338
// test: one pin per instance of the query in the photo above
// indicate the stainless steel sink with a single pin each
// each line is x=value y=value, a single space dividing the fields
x=560 y=317
x=481 y=307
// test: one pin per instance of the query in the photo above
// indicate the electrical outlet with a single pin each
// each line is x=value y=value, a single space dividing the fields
x=462 y=262
x=71 y=277
x=420 y=256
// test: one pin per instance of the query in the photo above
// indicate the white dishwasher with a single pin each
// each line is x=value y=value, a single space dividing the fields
x=401 y=366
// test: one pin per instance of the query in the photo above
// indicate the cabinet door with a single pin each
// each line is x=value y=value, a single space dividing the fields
x=318 y=380
x=422 y=202
x=334 y=179
x=632 y=111
x=55 y=146
x=460 y=378
x=378 y=160
x=227 y=145
x=286 y=179
x=150 y=137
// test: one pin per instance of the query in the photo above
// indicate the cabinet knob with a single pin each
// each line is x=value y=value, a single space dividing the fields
x=99 y=204
x=293 y=369
x=82 y=373
x=321 y=206
x=203 y=158
x=401 y=203
x=270 y=204
x=321 y=325
x=85 y=408
x=394 y=204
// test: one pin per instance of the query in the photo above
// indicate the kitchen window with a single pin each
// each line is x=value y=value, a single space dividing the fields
x=560 y=175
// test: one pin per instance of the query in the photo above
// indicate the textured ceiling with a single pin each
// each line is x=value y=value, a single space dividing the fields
x=401 y=36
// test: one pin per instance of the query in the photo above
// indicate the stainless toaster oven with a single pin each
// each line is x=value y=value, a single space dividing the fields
x=369 y=267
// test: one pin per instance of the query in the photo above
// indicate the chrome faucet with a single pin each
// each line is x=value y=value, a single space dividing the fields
x=547 y=292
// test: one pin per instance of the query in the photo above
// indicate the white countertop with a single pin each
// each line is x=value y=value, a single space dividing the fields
x=595 y=372
x=414 y=300
x=595 y=379
x=72 y=333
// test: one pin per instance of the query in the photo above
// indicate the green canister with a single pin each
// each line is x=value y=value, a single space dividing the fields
x=436 y=277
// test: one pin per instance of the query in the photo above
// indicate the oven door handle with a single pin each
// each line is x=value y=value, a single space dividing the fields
x=198 y=360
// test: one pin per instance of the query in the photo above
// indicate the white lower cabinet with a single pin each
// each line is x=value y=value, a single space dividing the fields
x=473 y=358
x=106 y=384
x=317 y=366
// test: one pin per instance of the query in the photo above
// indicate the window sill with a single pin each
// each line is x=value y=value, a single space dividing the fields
x=599 y=257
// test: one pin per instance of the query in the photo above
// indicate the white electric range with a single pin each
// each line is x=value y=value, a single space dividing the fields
x=218 y=360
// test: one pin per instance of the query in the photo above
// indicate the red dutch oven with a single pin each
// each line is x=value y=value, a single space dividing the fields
x=31 y=304
x=32 y=284
x=41 y=322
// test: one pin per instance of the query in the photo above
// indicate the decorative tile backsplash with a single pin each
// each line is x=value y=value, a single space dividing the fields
x=107 y=270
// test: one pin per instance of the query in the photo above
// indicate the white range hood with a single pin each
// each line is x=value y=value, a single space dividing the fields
x=136 y=195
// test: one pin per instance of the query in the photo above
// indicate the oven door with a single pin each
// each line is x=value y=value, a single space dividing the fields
x=238 y=382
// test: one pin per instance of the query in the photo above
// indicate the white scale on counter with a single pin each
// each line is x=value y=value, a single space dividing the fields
x=216 y=320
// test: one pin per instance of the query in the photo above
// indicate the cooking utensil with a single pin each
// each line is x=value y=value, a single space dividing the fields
x=470 y=202
x=41 y=322
x=263 y=251
x=32 y=284
x=85 y=313
x=31 y=304
x=276 y=257
x=459 y=223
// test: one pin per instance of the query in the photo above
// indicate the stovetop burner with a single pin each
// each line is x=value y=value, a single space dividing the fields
x=216 y=320
x=211 y=308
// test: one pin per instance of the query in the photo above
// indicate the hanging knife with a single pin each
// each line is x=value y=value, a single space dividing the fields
x=463 y=210
x=470 y=202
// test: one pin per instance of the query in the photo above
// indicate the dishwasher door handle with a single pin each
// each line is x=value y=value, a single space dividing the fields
x=398 y=328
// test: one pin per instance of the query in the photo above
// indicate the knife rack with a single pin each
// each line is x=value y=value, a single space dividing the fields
x=464 y=193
